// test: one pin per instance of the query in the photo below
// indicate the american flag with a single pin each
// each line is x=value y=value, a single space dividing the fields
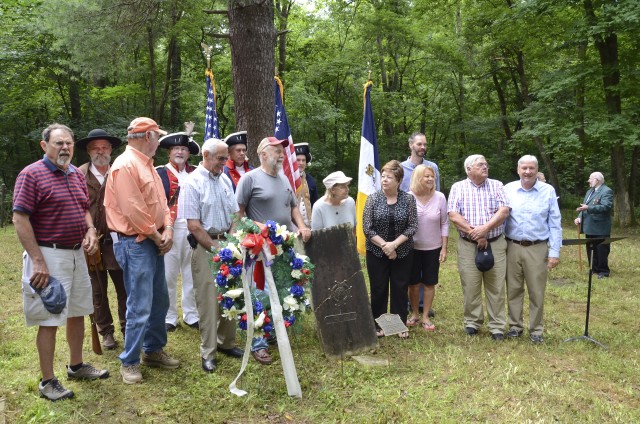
x=282 y=132
x=211 y=127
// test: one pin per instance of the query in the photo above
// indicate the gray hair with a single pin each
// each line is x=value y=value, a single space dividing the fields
x=470 y=161
x=598 y=176
x=46 y=133
x=211 y=145
x=137 y=135
x=528 y=158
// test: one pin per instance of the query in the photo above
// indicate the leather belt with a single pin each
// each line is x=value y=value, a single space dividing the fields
x=135 y=235
x=491 y=240
x=526 y=243
x=60 y=246
x=216 y=236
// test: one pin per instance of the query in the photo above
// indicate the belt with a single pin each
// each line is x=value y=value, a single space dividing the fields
x=135 y=235
x=60 y=246
x=216 y=236
x=526 y=243
x=491 y=240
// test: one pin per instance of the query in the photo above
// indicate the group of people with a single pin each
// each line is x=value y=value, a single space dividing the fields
x=143 y=226
x=509 y=238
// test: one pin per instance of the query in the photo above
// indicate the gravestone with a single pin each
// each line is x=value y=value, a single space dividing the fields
x=340 y=300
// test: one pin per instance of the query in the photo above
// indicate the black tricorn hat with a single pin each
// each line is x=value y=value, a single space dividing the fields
x=98 y=134
x=239 y=137
x=180 y=139
x=303 y=149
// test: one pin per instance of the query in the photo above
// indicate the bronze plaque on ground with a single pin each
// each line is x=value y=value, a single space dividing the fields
x=340 y=299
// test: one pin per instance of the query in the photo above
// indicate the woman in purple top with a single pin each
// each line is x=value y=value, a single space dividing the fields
x=429 y=243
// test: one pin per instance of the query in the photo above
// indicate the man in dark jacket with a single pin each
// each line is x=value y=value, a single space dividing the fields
x=594 y=219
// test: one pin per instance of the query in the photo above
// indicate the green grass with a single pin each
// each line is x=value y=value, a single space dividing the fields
x=440 y=377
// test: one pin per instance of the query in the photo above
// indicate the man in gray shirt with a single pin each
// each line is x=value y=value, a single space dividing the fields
x=265 y=194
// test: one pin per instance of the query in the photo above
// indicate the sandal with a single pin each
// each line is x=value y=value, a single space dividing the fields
x=380 y=333
x=428 y=326
x=404 y=335
x=413 y=321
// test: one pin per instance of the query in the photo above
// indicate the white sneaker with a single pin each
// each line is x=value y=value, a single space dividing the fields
x=54 y=391
x=131 y=373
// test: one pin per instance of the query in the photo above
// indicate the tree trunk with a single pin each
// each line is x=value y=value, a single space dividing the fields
x=607 y=46
x=74 y=101
x=152 y=73
x=503 y=106
x=634 y=196
x=283 y=7
x=580 y=124
x=252 y=36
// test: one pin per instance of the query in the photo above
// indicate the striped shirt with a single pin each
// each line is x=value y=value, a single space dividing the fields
x=56 y=202
x=478 y=203
x=208 y=198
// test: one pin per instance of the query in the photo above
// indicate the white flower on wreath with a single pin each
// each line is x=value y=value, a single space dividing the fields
x=234 y=250
x=233 y=313
x=297 y=274
x=239 y=234
x=260 y=321
x=279 y=250
x=290 y=303
x=303 y=257
x=234 y=293
x=281 y=230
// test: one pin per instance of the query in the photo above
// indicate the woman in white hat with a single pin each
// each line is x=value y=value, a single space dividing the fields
x=335 y=207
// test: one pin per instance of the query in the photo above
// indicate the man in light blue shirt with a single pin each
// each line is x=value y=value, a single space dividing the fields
x=418 y=147
x=534 y=235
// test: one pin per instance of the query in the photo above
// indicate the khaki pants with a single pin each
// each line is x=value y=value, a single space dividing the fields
x=214 y=330
x=494 y=286
x=526 y=264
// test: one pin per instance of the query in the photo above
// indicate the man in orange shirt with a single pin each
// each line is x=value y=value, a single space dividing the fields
x=141 y=225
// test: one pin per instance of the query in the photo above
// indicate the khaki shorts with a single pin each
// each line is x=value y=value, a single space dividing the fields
x=70 y=268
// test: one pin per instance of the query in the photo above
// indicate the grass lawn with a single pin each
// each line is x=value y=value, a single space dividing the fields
x=444 y=376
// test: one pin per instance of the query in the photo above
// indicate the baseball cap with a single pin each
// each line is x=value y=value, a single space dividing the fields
x=334 y=178
x=142 y=125
x=53 y=296
x=484 y=259
x=271 y=141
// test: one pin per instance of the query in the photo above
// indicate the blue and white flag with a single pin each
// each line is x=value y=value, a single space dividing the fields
x=211 y=127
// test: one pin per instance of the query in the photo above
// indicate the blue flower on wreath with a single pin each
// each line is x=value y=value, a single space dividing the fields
x=296 y=290
x=257 y=307
x=243 y=325
x=227 y=302
x=276 y=239
x=290 y=319
x=221 y=280
x=297 y=263
x=226 y=255
x=292 y=253
x=236 y=271
x=267 y=328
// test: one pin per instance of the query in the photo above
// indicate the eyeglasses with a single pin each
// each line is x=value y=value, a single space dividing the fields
x=482 y=165
x=60 y=144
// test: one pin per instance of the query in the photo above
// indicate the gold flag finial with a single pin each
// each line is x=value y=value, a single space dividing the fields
x=206 y=50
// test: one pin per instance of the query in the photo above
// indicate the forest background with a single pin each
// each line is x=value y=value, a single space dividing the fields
x=555 y=78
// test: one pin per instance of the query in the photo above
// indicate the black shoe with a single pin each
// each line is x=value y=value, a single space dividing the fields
x=234 y=352
x=514 y=333
x=195 y=325
x=170 y=327
x=471 y=331
x=431 y=313
x=208 y=365
x=537 y=339
x=497 y=337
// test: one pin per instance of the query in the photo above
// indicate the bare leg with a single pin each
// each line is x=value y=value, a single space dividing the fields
x=414 y=300
x=427 y=302
x=46 y=345
x=75 y=337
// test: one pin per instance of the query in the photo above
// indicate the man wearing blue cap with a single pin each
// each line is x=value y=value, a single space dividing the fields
x=52 y=220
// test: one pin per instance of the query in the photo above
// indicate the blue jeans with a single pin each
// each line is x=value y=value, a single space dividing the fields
x=147 y=297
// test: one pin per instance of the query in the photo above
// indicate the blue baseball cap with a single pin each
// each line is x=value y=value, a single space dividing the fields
x=53 y=296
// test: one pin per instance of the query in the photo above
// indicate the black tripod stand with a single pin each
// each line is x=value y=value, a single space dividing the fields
x=594 y=242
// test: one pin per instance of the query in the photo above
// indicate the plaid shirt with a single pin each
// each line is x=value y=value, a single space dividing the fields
x=478 y=204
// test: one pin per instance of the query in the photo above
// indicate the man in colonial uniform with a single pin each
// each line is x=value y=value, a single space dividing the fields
x=178 y=260
x=307 y=193
x=99 y=145
x=236 y=166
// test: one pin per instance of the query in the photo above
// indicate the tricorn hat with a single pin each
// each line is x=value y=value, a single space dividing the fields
x=98 y=134
x=303 y=149
x=184 y=138
x=239 y=137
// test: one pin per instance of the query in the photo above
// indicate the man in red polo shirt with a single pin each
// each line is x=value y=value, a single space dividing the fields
x=52 y=220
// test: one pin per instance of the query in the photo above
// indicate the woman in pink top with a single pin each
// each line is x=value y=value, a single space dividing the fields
x=430 y=242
